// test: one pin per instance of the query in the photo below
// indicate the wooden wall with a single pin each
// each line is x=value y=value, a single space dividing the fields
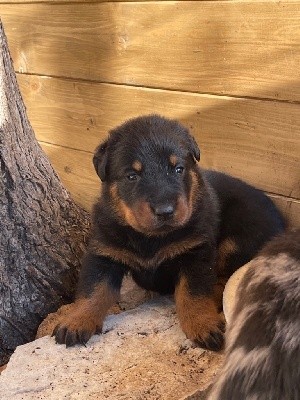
x=229 y=70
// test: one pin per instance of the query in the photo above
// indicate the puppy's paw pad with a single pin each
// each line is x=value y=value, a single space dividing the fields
x=64 y=335
x=214 y=340
x=207 y=333
x=70 y=332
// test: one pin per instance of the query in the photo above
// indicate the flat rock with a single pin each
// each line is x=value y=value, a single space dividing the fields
x=142 y=354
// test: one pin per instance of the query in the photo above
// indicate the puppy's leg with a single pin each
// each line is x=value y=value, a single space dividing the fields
x=198 y=314
x=218 y=290
x=99 y=288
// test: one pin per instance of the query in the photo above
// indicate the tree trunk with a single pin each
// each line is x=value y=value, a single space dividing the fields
x=42 y=231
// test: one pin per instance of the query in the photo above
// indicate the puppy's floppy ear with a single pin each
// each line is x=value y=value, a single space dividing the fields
x=100 y=160
x=194 y=148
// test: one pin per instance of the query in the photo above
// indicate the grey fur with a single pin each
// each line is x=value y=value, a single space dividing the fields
x=262 y=355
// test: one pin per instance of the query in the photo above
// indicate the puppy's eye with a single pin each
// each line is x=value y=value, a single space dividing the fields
x=179 y=170
x=132 y=177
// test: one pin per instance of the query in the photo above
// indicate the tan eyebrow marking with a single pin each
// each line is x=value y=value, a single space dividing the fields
x=137 y=165
x=173 y=159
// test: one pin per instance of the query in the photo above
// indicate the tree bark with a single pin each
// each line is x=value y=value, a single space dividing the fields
x=42 y=231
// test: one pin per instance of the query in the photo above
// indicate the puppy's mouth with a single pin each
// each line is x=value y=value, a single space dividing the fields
x=159 y=219
x=152 y=219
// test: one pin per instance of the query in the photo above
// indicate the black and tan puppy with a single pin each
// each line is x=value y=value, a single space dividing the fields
x=262 y=358
x=174 y=227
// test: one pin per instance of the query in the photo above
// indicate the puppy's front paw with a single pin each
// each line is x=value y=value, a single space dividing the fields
x=204 y=328
x=211 y=338
x=199 y=318
x=77 y=326
x=71 y=334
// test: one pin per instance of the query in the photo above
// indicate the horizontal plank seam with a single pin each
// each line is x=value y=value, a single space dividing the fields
x=215 y=94
x=286 y=197
x=49 y=2
x=282 y=196
x=59 y=3
x=41 y=142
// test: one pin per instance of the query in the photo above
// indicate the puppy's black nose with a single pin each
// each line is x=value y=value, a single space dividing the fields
x=164 y=211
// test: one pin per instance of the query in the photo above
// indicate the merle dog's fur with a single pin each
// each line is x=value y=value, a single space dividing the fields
x=262 y=360
x=174 y=227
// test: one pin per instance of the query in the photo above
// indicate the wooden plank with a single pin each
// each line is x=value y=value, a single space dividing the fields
x=80 y=1
x=236 y=48
x=102 y=1
x=52 y=1
x=290 y=209
x=258 y=141
x=77 y=174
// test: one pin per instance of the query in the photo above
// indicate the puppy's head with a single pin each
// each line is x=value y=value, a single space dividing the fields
x=148 y=168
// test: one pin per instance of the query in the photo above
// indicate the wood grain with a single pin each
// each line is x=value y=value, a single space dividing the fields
x=258 y=141
x=102 y=1
x=76 y=171
x=289 y=207
x=237 y=48
x=53 y=1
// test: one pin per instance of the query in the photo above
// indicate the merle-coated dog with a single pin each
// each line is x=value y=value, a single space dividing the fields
x=174 y=227
x=262 y=357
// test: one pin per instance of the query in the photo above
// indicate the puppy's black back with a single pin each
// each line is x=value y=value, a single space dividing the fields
x=248 y=218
